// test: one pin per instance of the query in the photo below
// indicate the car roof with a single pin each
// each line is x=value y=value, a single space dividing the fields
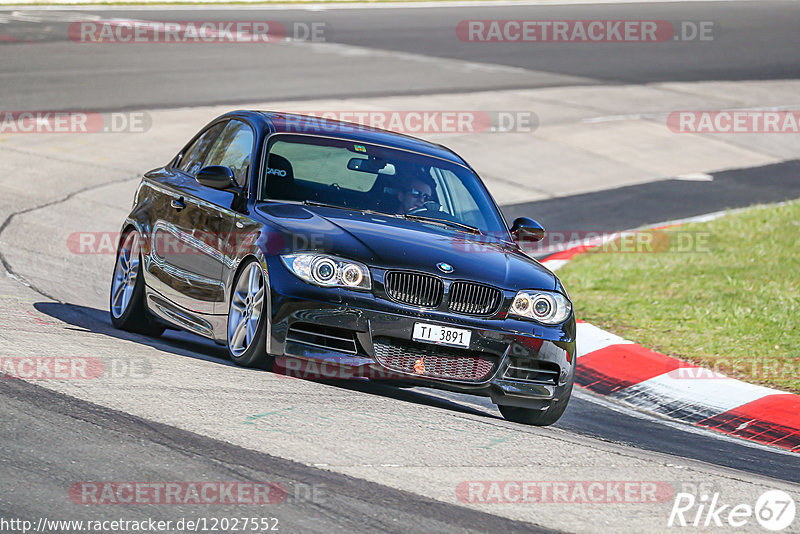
x=293 y=123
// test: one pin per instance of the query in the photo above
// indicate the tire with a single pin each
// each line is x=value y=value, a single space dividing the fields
x=126 y=299
x=248 y=309
x=532 y=416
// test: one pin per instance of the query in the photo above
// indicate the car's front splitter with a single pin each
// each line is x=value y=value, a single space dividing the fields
x=310 y=331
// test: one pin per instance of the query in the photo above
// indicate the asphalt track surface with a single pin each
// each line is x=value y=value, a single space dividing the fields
x=55 y=422
x=47 y=436
x=623 y=208
x=387 y=52
x=588 y=414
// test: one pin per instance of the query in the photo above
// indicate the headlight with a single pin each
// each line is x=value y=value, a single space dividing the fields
x=328 y=271
x=544 y=306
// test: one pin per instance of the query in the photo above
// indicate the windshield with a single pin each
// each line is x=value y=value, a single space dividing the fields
x=361 y=176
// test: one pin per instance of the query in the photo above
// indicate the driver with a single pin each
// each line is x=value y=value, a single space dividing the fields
x=418 y=192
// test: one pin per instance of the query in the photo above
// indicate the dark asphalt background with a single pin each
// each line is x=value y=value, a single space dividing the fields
x=633 y=206
x=752 y=41
x=589 y=415
x=50 y=441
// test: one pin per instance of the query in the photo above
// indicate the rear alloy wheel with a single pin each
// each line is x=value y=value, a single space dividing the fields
x=248 y=314
x=127 y=306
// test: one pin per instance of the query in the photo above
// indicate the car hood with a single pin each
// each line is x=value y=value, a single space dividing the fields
x=389 y=242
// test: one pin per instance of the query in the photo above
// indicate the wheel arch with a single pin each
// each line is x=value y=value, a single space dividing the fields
x=259 y=258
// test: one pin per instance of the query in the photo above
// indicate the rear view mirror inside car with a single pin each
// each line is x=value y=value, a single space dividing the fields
x=371 y=165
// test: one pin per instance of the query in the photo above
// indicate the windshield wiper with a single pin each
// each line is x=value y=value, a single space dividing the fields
x=432 y=220
x=324 y=205
x=452 y=224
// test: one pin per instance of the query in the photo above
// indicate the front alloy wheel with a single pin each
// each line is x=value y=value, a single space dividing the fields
x=546 y=417
x=247 y=316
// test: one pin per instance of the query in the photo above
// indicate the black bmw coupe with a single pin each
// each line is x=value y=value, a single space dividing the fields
x=295 y=239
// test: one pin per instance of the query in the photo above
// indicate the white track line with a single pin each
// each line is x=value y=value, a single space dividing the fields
x=630 y=410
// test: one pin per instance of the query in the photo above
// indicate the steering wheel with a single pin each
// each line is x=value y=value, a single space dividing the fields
x=430 y=205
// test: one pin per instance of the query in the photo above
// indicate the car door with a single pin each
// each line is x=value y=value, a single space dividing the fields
x=186 y=235
x=235 y=149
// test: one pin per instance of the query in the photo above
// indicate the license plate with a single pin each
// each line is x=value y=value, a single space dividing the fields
x=441 y=335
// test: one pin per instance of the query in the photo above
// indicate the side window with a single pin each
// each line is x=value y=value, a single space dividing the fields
x=462 y=200
x=192 y=159
x=234 y=149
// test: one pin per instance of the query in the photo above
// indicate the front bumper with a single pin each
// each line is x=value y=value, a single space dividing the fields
x=506 y=343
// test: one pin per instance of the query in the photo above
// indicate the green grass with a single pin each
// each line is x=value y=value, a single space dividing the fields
x=732 y=305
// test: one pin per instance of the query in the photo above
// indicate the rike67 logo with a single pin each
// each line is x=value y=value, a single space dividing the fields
x=774 y=510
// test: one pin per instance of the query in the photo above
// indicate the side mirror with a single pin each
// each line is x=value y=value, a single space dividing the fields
x=525 y=229
x=216 y=176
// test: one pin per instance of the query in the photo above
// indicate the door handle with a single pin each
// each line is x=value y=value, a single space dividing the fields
x=177 y=203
